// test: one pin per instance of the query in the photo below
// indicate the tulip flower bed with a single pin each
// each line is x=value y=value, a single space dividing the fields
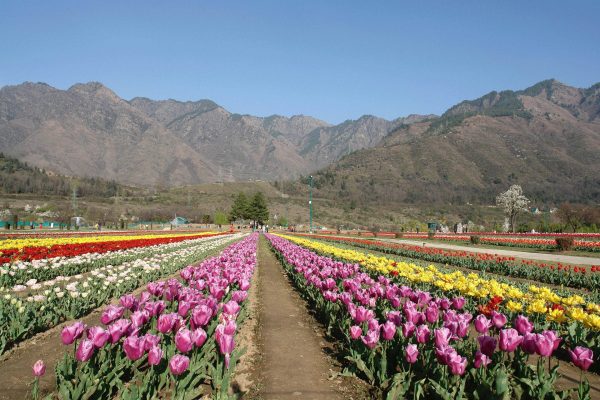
x=175 y=340
x=36 y=249
x=579 y=277
x=539 y=301
x=24 y=274
x=524 y=242
x=412 y=343
x=21 y=318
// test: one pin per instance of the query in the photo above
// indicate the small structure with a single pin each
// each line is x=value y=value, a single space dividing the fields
x=179 y=221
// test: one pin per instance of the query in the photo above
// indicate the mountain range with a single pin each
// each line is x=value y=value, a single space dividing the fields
x=88 y=130
x=545 y=137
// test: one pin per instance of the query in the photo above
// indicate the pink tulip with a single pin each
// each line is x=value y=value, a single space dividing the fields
x=487 y=344
x=39 y=368
x=133 y=347
x=199 y=337
x=183 y=308
x=201 y=315
x=582 y=357
x=411 y=352
x=183 y=340
x=72 y=332
x=509 y=339
x=85 y=350
x=363 y=314
x=523 y=325
x=395 y=317
x=422 y=334
x=388 y=330
x=226 y=345
x=481 y=360
x=528 y=345
x=432 y=313
x=139 y=318
x=371 y=339
x=150 y=341
x=543 y=345
x=442 y=337
x=373 y=324
x=129 y=302
x=111 y=313
x=245 y=284
x=457 y=364
x=355 y=332
x=239 y=296
x=155 y=355
x=98 y=336
x=553 y=337
x=166 y=322
x=498 y=319
x=482 y=324
x=118 y=329
x=458 y=303
x=408 y=328
x=179 y=364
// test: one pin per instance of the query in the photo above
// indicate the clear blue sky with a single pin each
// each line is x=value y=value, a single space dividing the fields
x=334 y=60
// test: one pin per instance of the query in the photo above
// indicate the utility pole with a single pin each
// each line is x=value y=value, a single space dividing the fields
x=310 y=202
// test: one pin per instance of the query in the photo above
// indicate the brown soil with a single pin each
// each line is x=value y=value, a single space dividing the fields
x=292 y=361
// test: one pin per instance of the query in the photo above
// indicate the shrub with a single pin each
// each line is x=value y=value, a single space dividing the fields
x=430 y=235
x=564 y=243
x=398 y=234
x=474 y=239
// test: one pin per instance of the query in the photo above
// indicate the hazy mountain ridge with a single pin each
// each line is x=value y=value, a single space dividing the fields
x=89 y=130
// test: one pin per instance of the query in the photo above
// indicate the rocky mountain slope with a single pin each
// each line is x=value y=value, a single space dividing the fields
x=546 y=138
x=88 y=130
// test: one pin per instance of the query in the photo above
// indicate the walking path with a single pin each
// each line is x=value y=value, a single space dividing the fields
x=293 y=364
x=508 y=253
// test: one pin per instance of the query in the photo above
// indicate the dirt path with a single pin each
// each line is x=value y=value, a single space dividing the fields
x=293 y=363
x=508 y=253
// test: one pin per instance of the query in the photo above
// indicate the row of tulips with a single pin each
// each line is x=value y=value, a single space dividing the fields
x=22 y=274
x=175 y=340
x=59 y=233
x=578 y=277
x=525 y=242
x=540 y=302
x=412 y=343
x=21 y=318
x=50 y=248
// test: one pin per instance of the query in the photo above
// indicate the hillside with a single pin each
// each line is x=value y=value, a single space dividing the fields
x=545 y=138
x=88 y=130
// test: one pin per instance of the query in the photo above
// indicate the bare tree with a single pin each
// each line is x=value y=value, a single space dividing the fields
x=513 y=202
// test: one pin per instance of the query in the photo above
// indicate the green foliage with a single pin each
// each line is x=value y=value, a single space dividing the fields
x=239 y=208
x=257 y=209
x=220 y=218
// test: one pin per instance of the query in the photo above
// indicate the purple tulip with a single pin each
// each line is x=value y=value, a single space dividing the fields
x=39 y=368
x=582 y=357
x=139 y=318
x=487 y=344
x=388 y=330
x=553 y=337
x=363 y=314
x=144 y=297
x=72 y=332
x=179 y=364
x=85 y=350
x=523 y=325
x=457 y=364
x=395 y=317
x=482 y=324
x=183 y=308
x=442 y=337
x=462 y=328
x=408 y=328
x=155 y=355
x=355 y=332
x=481 y=360
x=150 y=341
x=98 y=336
x=111 y=313
x=118 y=329
x=245 y=284
x=371 y=339
x=129 y=302
x=528 y=345
x=373 y=324
x=422 y=333
x=183 y=340
x=166 y=322
x=199 y=337
x=225 y=340
x=432 y=313
x=509 y=339
x=444 y=304
x=411 y=352
x=239 y=296
x=543 y=345
x=498 y=319
x=458 y=303
x=133 y=347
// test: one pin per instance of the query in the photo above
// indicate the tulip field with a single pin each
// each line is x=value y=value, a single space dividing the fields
x=158 y=315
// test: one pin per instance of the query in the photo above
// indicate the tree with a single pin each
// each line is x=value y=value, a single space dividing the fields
x=571 y=215
x=257 y=209
x=239 y=208
x=513 y=203
x=220 y=218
